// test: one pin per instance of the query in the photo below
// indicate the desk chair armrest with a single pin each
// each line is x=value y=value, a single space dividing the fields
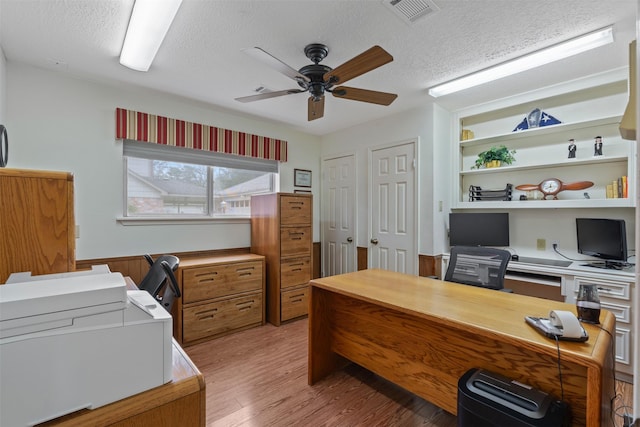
x=149 y=259
x=172 y=278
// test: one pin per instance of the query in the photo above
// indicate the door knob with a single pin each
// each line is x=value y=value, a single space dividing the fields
x=349 y=239
x=374 y=241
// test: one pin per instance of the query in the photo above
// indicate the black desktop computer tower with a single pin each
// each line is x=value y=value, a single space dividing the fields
x=486 y=399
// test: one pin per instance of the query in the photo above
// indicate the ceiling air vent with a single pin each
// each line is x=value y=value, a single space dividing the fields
x=411 y=10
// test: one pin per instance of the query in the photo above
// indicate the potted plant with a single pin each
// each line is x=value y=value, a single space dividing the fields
x=495 y=157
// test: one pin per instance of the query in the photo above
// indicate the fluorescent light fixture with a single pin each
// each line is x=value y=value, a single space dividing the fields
x=527 y=62
x=149 y=23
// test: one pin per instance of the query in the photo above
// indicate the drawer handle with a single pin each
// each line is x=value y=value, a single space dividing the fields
x=296 y=233
x=605 y=290
x=296 y=269
x=211 y=273
x=245 y=269
x=296 y=296
x=296 y=264
x=207 y=314
x=247 y=273
x=296 y=300
x=247 y=305
x=245 y=302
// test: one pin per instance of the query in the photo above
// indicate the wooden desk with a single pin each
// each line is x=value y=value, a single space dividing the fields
x=424 y=334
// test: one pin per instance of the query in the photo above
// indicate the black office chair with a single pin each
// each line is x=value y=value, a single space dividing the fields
x=160 y=274
x=478 y=266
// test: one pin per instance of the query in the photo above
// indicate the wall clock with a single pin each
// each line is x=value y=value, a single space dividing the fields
x=4 y=147
x=552 y=186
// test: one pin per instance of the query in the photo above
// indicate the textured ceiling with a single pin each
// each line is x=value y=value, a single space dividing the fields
x=201 y=56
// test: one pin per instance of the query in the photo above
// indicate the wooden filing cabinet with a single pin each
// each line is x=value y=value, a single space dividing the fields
x=37 y=225
x=281 y=230
x=220 y=295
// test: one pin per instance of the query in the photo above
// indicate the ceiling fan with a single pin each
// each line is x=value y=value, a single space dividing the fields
x=318 y=79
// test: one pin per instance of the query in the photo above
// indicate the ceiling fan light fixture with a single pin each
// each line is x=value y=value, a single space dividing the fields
x=149 y=23
x=554 y=53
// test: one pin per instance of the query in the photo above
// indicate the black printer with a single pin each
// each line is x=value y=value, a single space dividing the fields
x=486 y=399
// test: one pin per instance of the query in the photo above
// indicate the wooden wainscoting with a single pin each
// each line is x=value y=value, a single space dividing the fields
x=363 y=258
x=429 y=265
x=135 y=266
x=316 y=259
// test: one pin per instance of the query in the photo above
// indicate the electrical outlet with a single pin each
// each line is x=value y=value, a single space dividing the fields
x=541 y=244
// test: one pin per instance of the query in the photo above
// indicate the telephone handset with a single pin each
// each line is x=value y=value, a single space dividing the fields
x=560 y=324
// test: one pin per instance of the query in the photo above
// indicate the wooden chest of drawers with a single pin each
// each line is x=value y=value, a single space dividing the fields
x=220 y=295
x=281 y=230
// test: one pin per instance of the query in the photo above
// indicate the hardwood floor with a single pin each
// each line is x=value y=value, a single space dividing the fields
x=258 y=377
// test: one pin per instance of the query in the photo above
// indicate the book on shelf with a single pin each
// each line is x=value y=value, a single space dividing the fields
x=618 y=189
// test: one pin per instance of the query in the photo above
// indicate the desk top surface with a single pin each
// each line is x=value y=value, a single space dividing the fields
x=492 y=313
x=199 y=261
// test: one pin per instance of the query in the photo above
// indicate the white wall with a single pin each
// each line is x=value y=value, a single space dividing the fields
x=3 y=80
x=3 y=86
x=58 y=122
x=428 y=124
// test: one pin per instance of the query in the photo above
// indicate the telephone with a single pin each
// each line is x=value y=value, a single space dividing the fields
x=560 y=324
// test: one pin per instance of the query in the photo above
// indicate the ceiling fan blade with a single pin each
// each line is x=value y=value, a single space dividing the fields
x=363 y=95
x=366 y=61
x=275 y=63
x=268 y=95
x=316 y=108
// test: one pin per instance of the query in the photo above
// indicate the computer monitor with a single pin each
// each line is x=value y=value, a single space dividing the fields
x=478 y=229
x=603 y=238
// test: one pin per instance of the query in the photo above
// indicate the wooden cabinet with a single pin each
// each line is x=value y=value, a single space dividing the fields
x=587 y=108
x=220 y=295
x=37 y=222
x=281 y=230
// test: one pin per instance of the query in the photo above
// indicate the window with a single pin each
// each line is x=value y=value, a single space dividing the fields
x=170 y=182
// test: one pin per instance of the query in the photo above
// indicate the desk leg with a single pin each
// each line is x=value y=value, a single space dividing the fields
x=322 y=360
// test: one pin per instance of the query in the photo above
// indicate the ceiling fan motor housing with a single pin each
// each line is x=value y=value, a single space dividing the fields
x=316 y=52
x=316 y=86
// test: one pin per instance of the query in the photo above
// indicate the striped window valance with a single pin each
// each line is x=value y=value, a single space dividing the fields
x=145 y=127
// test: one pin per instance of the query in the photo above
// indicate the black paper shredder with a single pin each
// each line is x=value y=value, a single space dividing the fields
x=486 y=399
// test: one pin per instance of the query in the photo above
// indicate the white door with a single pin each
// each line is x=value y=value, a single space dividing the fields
x=392 y=217
x=338 y=216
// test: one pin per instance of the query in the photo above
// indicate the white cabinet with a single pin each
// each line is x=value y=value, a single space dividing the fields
x=616 y=296
x=587 y=108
